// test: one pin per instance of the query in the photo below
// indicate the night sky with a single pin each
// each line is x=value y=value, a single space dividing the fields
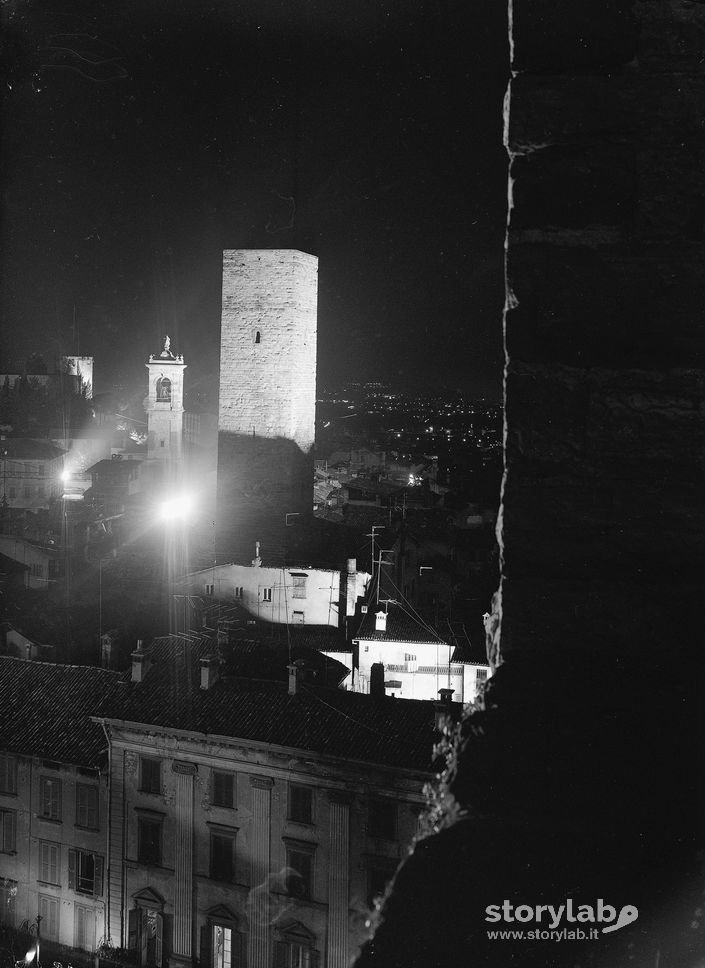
x=142 y=138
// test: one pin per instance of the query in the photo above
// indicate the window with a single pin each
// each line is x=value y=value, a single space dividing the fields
x=8 y=901
x=27 y=490
x=161 y=443
x=297 y=618
x=86 y=806
x=49 y=913
x=37 y=571
x=164 y=390
x=257 y=337
x=222 y=941
x=40 y=490
x=296 y=948
x=300 y=804
x=41 y=470
x=238 y=590
x=48 y=862
x=150 y=775
x=382 y=819
x=299 y=860
x=210 y=589
x=223 y=855
x=299 y=586
x=49 y=798
x=149 y=841
x=12 y=492
x=8 y=774
x=408 y=657
x=223 y=789
x=266 y=594
x=7 y=831
x=85 y=872
x=83 y=928
x=145 y=935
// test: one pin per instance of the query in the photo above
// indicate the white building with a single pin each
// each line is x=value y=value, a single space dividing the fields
x=284 y=596
x=31 y=473
x=413 y=661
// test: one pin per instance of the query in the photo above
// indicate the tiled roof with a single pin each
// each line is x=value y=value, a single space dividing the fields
x=469 y=640
x=27 y=448
x=402 y=626
x=254 y=659
x=332 y=722
x=45 y=710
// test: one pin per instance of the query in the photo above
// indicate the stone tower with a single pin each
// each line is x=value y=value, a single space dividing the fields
x=165 y=406
x=267 y=404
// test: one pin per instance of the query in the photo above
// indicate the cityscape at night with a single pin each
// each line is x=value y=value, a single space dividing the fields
x=351 y=520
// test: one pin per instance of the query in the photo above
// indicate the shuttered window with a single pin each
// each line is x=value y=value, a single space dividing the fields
x=49 y=913
x=49 y=862
x=7 y=831
x=84 y=927
x=8 y=774
x=86 y=806
x=50 y=798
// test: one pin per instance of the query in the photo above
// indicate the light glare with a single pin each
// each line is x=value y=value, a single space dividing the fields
x=177 y=508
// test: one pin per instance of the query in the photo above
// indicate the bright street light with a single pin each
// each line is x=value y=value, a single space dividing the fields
x=177 y=508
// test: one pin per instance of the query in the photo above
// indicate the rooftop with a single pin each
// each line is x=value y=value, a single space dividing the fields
x=402 y=626
x=29 y=448
x=45 y=710
x=330 y=722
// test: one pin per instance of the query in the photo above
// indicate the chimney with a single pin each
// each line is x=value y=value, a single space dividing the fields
x=210 y=671
x=107 y=650
x=296 y=676
x=257 y=561
x=442 y=707
x=351 y=587
x=141 y=662
x=377 y=679
x=380 y=621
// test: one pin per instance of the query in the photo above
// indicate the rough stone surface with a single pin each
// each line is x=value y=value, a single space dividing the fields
x=267 y=403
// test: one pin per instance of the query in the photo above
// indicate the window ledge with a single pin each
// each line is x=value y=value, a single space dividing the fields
x=91 y=830
x=51 y=820
x=48 y=883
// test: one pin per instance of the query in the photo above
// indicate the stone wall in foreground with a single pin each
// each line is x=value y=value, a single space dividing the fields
x=603 y=513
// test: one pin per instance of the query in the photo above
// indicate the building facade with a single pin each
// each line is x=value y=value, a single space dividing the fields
x=286 y=596
x=248 y=854
x=175 y=816
x=43 y=563
x=53 y=806
x=412 y=661
x=31 y=473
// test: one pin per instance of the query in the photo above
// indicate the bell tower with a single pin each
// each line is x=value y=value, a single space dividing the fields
x=165 y=406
